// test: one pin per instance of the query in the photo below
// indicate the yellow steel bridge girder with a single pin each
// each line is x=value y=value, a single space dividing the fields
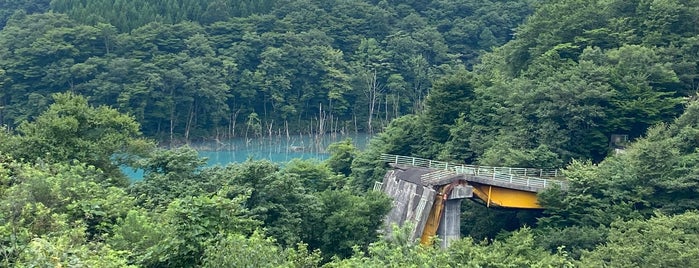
x=492 y=195
x=434 y=217
x=505 y=197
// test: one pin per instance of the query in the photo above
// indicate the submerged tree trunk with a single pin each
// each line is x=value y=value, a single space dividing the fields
x=232 y=120
x=190 y=118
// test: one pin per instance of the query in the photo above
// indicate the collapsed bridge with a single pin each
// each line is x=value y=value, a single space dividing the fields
x=427 y=193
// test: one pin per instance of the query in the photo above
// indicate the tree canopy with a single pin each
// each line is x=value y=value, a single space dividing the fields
x=194 y=69
x=605 y=90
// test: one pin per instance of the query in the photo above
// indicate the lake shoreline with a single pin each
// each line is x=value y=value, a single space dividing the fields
x=226 y=144
x=278 y=149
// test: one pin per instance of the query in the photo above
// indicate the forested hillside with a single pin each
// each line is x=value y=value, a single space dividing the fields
x=577 y=73
x=129 y=15
x=298 y=66
x=86 y=88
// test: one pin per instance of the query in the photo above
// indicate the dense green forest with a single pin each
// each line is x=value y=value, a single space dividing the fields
x=305 y=66
x=88 y=87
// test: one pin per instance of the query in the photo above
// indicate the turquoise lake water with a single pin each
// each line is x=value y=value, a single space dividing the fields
x=278 y=149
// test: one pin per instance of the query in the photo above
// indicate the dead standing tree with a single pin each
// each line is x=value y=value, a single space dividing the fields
x=374 y=89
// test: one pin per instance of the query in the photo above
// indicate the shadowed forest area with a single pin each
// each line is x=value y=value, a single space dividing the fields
x=87 y=87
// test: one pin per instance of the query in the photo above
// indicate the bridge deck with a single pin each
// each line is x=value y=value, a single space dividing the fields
x=441 y=173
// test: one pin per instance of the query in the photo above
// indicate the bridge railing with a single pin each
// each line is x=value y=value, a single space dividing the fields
x=531 y=177
x=437 y=175
x=434 y=164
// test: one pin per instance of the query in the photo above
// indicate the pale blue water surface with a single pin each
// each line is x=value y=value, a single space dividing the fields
x=278 y=149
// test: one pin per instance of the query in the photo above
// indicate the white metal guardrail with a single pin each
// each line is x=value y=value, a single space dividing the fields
x=437 y=175
x=530 y=177
x=378 y=185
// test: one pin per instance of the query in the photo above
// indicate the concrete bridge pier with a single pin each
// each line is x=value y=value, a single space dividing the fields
x=450 y=224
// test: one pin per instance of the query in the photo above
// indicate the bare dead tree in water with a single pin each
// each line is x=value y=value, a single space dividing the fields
x=286 y=127
x=269 y=128
x=232 y=120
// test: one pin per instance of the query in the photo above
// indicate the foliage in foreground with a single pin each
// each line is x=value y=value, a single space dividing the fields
x=183 y=214
x=555 y=93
